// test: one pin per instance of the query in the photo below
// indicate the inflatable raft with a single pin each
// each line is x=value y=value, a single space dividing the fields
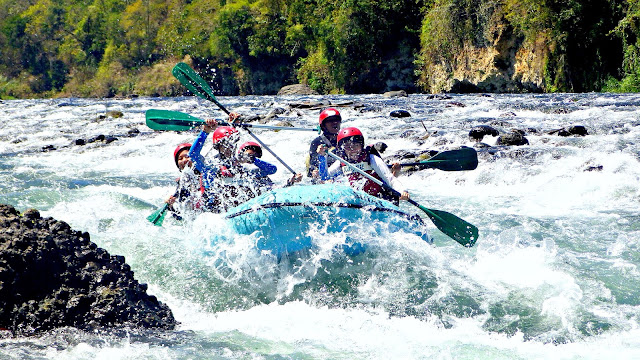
x=283 y=218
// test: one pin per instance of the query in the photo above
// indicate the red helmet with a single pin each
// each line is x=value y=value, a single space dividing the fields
x=350 y=134
x=222 y=132
x=179 y=148
x=329 y=114
x=253 y=146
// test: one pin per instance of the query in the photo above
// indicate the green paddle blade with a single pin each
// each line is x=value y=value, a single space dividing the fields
x=459 y=230
x=196 y=84
x=171 y=120
x=465 y=158
x=158 y=216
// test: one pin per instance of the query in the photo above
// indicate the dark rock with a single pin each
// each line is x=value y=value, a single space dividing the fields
x=594 y=168
x=52 y=276
x=297 y=89
x=133 y=132
x=513 y=138
x=439 y=97
x=380 y=147
x=48 y=148
x=110 y=139
x=479 y=132
x=310 y=105
x=400 y=113
x=80 y=142
x=456 y=104
x=251 y=118
x=275 y=112
x=397 y=93
x=578 y=130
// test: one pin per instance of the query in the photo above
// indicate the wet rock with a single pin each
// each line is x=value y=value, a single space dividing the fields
x=310 y=105
x=397 y=93
x=516 y=138
x=594 y=168
x=400 y=113
x=574 y=130
x=297 y=89
x=284 y=123
x=275 y=112
x=251 y=118
x=480 y=131
x=115 y=114
x=439 y=97
x=578 y=130
x=380 y=147
x=481 y=145
x=133 y=132
x=456 y=104
x=48 y=148
x=52 y=276
x=96 y=138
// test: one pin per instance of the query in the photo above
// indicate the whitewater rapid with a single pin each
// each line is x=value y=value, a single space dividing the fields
x=554 y=274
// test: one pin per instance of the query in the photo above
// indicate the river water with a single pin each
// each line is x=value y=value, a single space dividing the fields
x=554 y=274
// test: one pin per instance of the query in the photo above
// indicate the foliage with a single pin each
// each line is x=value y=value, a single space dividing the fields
x=121 y=47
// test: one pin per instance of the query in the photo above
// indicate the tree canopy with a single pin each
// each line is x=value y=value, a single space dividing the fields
x=120 y=47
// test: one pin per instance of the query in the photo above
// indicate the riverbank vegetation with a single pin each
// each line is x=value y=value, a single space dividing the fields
x=105 y=48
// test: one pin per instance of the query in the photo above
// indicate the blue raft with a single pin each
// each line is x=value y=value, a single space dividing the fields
x=282 y=218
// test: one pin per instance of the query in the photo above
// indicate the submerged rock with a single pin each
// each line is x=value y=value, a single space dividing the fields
x=52 y=276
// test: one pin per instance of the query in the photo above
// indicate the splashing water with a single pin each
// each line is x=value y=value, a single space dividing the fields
x=554 y=273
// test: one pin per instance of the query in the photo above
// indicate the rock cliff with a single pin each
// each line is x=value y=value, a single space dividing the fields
x=52 y=276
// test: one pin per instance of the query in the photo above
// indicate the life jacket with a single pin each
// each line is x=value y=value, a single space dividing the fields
x=233 y=187
x=355 y=177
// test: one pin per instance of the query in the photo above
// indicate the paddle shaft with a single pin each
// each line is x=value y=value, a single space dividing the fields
x=184 y=72
x=459 y=230
x=157 y=119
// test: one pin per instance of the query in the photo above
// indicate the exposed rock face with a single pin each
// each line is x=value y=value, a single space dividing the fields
x=52 y=276
x=506 y=65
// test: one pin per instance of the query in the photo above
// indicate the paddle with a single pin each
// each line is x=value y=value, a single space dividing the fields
x=465 y=158
x=459 y=230
x=178 y=121
x=158 y=216
x=189 y=78
x=192 y=81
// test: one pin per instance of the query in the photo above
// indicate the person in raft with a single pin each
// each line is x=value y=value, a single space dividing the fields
x=228 y=180
x=351 y=142
x=189 y=194
x=249 y=151
x=330 y=121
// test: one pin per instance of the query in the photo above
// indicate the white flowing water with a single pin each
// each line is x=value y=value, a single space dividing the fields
x=554 y=274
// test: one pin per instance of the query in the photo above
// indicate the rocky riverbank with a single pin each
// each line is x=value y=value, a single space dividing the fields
x=53 y=276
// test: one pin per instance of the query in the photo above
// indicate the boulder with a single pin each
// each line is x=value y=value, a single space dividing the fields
x=297 y=89
x=397 y=93
x=513 y=138
x=52 y=276
x=478 y=132
x=400 y=113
